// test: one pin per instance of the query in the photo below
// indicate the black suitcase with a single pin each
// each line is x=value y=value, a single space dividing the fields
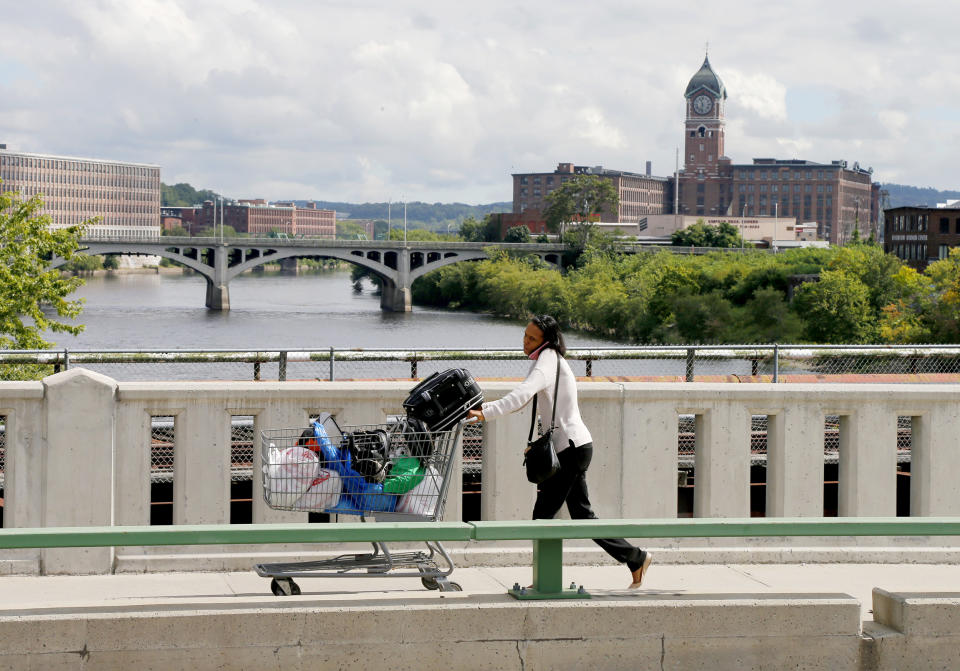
x=444 y=398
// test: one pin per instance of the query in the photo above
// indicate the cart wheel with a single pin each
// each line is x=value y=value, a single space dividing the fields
x=452 y=587
x=430 y=583
x=284 y=587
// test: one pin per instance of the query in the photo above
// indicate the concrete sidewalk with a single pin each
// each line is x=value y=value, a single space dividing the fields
x=61 y=595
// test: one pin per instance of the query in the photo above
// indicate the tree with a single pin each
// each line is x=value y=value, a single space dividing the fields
x=517 y=234
x=723 y=235
x=836 y=309
x=183 y=195
x=215 y=232
x=487 y=230
x=350 y=230
x=27 y=283
x=176 y=230
x=580 y=201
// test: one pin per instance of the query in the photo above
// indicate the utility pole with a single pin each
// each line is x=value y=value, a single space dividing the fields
x=404 y=221
x=388 y=219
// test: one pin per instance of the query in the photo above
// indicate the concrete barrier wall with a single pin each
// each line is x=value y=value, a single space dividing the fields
x=744 y=632
x=913 y=630
x=78 y=450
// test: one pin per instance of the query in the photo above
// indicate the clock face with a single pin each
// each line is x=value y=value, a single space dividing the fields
x=702 y=104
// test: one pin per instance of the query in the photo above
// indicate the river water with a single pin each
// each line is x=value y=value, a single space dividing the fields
x=273 y=311
x=315 y=310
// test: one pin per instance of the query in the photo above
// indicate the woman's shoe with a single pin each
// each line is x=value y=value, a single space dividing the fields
x=642 y=571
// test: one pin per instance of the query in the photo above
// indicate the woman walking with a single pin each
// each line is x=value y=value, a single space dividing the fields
x=543 y=342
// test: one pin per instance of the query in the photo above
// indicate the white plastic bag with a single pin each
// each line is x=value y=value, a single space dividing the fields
x=422 y=499
x=323 y=493
x=289 y=473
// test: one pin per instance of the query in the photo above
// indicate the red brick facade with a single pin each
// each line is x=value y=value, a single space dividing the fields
x=639 y=194
x=259 y=219
x=921 y=235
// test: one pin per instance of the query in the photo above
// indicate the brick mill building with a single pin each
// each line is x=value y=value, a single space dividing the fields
x=259 y=218
x=920 y=235
x=838 y=198
x=125 y=196
x=640 y=194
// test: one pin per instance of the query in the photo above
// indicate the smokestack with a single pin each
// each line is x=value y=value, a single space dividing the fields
x=649 y=168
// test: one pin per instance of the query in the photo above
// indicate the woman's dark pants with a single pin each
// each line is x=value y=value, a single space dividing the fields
x=569 y=485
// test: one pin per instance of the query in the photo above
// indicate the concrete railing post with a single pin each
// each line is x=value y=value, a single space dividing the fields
x=649 y=457
x=133 y=463
x=935 y=462
x=201 y=464
x=795 y=461
x=722 y=461
x=22 y=405
x=868 y=461
x=506 y=494
x=78 y=464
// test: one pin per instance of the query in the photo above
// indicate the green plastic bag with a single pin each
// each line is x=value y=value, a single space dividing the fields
x=404 y=475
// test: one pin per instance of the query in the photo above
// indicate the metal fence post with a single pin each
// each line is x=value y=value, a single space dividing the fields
x=691 y=353
x=776 y=363
x=282 y=375
x=66 y=359
x=331 y=364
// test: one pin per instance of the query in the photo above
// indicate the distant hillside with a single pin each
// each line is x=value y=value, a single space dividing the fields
x=434 y=216
x=901 y=195
x=183 y=195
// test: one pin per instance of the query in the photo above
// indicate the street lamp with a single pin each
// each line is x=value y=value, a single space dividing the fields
x=404 y=222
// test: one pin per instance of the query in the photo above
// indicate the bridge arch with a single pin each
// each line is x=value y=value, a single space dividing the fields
x=396 y=264
x=94 y=249
x=375 y=265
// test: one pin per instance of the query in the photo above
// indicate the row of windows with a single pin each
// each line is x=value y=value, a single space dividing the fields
x=914 y=251
x=39 y=177
x=785 y=174
x=945 y=225
x=548 y=179
x=775 y=188
x=80 y=166
x=910 y=222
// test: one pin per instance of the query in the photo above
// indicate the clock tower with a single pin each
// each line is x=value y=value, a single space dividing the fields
x=704 y=189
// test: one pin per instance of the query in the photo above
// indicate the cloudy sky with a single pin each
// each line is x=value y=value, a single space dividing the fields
x=441 y=101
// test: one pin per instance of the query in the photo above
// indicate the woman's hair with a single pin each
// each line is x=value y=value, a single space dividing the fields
x=551 y=333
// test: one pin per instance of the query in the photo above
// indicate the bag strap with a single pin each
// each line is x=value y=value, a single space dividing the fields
x=553 y=416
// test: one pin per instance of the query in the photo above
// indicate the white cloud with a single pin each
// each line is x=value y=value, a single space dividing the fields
x=441 y=101
x=758 y=92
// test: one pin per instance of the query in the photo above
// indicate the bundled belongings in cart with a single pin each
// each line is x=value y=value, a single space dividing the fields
x=398 y=470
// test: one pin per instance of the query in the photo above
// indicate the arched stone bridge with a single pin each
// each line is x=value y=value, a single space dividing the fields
x=397 y=263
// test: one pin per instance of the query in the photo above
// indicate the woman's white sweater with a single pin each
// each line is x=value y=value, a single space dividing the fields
x=540 y=380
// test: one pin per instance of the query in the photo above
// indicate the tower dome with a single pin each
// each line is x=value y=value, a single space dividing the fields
x=706 y=78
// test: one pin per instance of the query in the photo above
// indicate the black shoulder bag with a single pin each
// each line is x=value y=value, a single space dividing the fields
x=540 y=459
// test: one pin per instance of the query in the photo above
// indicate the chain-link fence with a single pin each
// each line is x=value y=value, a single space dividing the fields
x=241 y=447
x=767 y=363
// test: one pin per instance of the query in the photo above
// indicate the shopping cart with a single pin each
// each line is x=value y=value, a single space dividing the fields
x=396 y=471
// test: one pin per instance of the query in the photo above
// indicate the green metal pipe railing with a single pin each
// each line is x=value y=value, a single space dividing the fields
x=547 y=535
